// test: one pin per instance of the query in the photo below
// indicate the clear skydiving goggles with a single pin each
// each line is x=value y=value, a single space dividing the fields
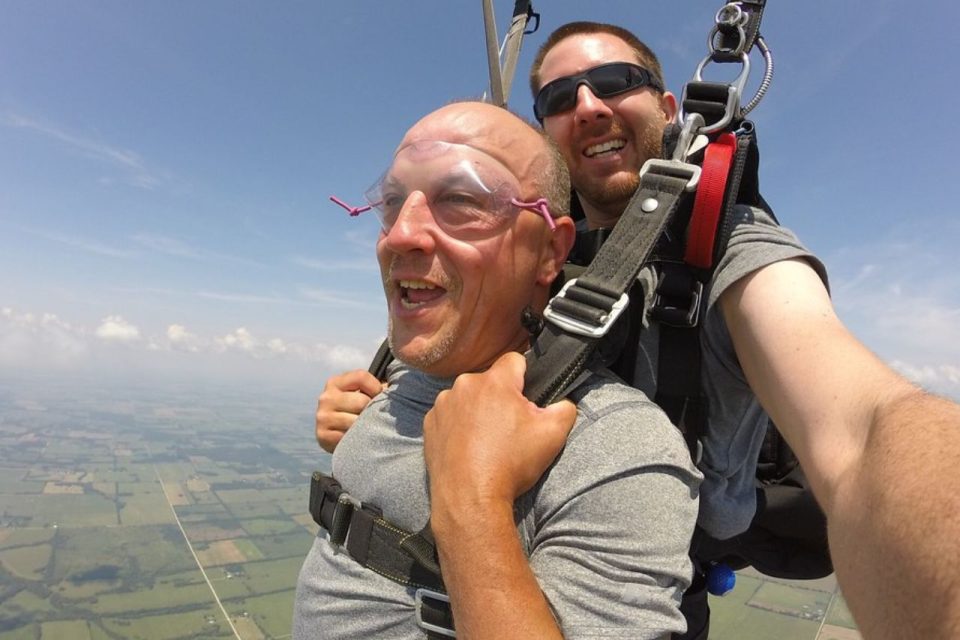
x=470 y=194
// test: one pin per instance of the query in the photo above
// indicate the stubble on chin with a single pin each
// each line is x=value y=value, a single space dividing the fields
x=439 y=346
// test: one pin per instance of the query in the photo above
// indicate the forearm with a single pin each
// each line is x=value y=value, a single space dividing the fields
x=882 y=456
x=894 y=522
x=493 y=592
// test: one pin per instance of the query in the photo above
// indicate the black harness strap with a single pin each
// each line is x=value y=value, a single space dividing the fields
x=368 y=538
x=381 y=360
x=677 y=308
x=584 y=311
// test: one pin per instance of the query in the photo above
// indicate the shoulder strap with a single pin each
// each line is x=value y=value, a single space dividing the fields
x=381 y=360
x=587 y=306
x=728 y=177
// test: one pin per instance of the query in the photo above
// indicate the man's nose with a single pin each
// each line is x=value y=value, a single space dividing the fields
x=413 y=228
x=589 y=107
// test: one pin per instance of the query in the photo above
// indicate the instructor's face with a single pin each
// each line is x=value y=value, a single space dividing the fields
x=604 y=141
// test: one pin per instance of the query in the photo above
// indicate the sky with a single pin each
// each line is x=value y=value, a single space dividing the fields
x=165 y=170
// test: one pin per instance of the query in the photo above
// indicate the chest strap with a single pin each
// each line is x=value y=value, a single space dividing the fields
x=405 y=557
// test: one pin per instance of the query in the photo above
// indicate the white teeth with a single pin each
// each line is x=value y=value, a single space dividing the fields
x=416 y=284
x=604 y=146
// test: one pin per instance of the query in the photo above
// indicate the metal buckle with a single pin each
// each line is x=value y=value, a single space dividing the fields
x=734 y=92
x=418 y=608
x=692 y=315
x=579 y=327
x=341 y=520
x=675 y=169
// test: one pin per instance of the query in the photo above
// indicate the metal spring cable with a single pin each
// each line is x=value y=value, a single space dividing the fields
x=767 y=76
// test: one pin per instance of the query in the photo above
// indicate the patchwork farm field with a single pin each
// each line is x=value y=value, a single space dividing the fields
x=158 y=519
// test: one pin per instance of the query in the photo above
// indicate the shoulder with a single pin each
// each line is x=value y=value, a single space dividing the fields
x=621 y=425
x=753 y=240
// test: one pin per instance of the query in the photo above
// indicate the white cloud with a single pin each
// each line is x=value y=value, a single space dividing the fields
x=84 y=244
x=898 y=298
x=26 y=339
x=241 y=297
x=46 y=342
x=341 y=357
x=942 y=378
x=238 y=340
x=277 y=346
x=135 y=171
x=117 y=329
x=180 y=249
x=360 y=264
x=181 y=339
x=339 y=299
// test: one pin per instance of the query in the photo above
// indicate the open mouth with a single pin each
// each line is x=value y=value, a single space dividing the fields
x=416 y=293
x=605 y=148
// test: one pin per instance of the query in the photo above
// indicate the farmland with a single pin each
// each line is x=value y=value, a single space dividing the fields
x=180 y=514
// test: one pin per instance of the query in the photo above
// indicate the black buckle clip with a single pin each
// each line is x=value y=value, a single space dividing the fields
x=342 y=515
x=679 y=315
x=443 y=599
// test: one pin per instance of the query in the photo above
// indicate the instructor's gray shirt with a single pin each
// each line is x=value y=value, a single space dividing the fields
x=737 y=422
x=606 y=529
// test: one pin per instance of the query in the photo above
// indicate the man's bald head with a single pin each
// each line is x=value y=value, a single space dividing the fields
x=518 y=145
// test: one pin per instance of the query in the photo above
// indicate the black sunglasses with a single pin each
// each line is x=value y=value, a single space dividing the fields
x=605 y=81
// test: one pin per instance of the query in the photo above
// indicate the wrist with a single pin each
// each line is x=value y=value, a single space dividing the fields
x=456 y=515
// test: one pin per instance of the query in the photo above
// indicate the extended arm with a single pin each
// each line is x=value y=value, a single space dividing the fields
x=881 y=455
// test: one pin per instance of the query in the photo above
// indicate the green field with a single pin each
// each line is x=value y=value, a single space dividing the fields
x=249 y=548
x=23 y=602
x=207 y=623
x=269 y=526
x=65 y=630
x=294 y=544
x=26 y=632
x=85 y=510
x=10 y=537
x=145 y=508
x=267 y=576
x=248 y=510
x=273 y=613
x=158 y=598
x=27 y=562
x=94 y=578
x=840 y=615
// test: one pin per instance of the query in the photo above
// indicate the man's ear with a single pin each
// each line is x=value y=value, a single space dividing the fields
x=561 y=241
x=668 y=102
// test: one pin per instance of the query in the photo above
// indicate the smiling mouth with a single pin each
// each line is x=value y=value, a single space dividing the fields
x=416 y=293
x=603 y=148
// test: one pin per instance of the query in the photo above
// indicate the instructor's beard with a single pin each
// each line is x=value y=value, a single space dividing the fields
x=611 y=195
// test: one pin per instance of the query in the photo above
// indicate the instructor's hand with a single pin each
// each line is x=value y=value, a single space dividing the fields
x=484 y=442
x=343 y=398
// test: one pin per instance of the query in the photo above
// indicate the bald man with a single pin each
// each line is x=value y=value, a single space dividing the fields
x=532 y=541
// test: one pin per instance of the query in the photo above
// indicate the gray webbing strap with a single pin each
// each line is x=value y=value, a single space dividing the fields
x=559 y=355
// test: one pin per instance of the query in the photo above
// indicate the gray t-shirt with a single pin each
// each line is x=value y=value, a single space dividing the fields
x=606 y=529
x=737 y=423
